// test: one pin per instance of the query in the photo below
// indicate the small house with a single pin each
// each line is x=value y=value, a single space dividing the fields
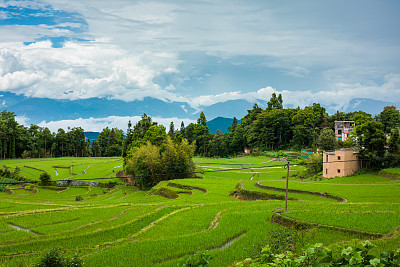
x=341 y=162
x=343 y=129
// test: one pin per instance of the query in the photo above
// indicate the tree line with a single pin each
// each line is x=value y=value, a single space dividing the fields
x=263 y=128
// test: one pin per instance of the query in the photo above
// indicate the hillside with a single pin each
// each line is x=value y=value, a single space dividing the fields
x=122 y=226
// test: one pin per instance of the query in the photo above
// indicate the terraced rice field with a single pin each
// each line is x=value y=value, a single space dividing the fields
x=67 y=168
x=127 y=227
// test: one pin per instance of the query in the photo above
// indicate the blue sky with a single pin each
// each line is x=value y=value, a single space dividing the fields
x=202 y=52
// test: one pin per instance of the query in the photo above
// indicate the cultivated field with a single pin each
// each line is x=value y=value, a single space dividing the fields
x=67 y=168
x=126 y=227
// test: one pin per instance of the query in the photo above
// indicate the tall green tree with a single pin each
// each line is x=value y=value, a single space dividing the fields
x=202 y=119
x=371 y=141
x=275 y=102
x=156 y=135
x=171 y=131
x=327 y=140
x=390 y=118
x=394 y=142
x=61 y=140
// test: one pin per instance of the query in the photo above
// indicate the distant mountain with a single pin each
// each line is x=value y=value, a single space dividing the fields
x=40 y=109
x=92 y=136
x=220 y=123
x=232 y=108
x=368 y=105
x=45 y=109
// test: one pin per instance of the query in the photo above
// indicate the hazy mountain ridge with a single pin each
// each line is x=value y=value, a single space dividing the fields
x=45 y=109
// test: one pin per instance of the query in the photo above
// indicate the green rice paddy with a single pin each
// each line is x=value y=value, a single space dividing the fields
x=124 y=226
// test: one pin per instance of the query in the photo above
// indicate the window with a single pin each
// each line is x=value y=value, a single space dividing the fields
x=339 y=131
x=338 y=158
x=326 y=171
x=326 y=158
x=338 y=170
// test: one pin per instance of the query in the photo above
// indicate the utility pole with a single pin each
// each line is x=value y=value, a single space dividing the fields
x=287 y=185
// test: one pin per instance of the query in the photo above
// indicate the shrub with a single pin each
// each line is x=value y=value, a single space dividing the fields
x=150 y=164
x=198 y=259
x=79 y=198
x=316 y=255
x=284 y=239
x=54 y=258
x=45 y=178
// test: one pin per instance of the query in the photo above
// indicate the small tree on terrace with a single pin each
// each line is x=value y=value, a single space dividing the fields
x=45 y=178
x=150 y=164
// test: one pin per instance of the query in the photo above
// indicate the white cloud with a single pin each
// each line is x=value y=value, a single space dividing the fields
x=97 y=124
x=23 y=120
x=25 y=4
x=83 y=70
x=338 y=97
x=134 y=43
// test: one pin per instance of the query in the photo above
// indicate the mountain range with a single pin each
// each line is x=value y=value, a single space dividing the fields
x=46 y=109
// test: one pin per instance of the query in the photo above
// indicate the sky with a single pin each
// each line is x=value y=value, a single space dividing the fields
x=202 y=52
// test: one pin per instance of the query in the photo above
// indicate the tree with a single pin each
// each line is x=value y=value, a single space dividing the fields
x=327 y=139
x=202 y=119
x=171 y=131
x=234 y=123
x=8 y=134
x=156 y=135
x=371 y=141
x=128 y=140
x=389 y=117
x=394 y=143
x=315 y=164
x=142 y=126
x=45 y=178
x=77 y=140
x=275 y=102
x=96 y=151
x=182 y=129
x=150 y=164
x=61 y=140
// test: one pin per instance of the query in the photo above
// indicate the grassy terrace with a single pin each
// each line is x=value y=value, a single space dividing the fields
x=126 y=227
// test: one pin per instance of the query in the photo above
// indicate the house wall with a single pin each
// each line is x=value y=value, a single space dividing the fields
x=343 y=129
x=341 y=162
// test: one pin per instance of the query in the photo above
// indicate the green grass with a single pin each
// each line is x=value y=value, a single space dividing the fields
x=123 y=225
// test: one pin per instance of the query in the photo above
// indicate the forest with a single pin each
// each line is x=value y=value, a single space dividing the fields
x=269 y=128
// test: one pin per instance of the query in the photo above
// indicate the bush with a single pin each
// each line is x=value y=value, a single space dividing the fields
x=54 y=258
x=45 y=178
x=314 y=165
x=150 y=164
x=79 y=198
x=316 y=255
x=284 y=239
x=198 y=259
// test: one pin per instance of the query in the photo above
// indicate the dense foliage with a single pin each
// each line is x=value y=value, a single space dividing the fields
x=55 y=258
x=316 y=255
x=152 y=163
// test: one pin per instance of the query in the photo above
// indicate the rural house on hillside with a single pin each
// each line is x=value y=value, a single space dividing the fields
x=341 y=162
x=343 y=129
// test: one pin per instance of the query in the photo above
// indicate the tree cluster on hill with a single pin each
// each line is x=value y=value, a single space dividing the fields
x=38 y=142
x=151 y=163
